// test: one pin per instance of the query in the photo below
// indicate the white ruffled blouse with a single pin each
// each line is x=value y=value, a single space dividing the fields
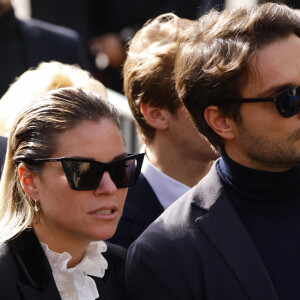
x=74 y=283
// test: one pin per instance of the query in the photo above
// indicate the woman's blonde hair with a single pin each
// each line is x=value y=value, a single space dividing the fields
x=34 y=135
x=34 y=82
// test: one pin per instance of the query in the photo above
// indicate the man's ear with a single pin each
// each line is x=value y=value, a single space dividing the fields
x=221 y=124
x=156 y=117
x=28 y=181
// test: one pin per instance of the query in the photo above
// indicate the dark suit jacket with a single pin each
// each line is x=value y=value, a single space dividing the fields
x=26 y=274
x=37 y=42
x=45 y=42
x=141 y=209
x=3 y=144
x=197 y=249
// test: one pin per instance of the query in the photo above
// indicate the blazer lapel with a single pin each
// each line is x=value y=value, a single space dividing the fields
x=31 y=293
x=36 y=275
x=224 y=229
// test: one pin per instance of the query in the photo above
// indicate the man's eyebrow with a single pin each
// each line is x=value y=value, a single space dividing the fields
x=274 y=90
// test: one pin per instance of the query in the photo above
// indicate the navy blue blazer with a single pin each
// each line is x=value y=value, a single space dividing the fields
x=45 y=42
x=141 y=209
x=26 y=273
x=197 y=249
x=37 y=42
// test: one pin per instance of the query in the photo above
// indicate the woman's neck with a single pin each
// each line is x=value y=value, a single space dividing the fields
x=61 y=243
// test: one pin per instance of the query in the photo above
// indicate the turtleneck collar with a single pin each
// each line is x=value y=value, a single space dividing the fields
x=7 y=24
x=260 y=192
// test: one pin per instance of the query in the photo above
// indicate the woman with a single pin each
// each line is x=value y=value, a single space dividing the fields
x=63 y=189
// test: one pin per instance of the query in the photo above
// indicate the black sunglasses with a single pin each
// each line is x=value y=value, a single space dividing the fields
x=86 y=174
x=287 y=102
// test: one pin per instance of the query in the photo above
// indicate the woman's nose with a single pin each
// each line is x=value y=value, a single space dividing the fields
x=106 y=185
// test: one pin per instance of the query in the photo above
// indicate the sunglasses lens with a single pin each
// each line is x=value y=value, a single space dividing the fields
x=288 y=102
x=86 y=175
x=124 y=173
x=82 y=175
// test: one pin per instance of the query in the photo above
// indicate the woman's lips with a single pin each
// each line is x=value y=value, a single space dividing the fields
x=105 y=212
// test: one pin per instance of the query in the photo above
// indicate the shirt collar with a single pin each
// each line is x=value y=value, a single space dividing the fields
x=75 y=281
x=166 y=188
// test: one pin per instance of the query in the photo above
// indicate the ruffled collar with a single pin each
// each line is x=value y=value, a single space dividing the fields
x=74 y=283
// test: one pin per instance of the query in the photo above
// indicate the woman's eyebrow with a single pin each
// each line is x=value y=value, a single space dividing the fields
x=123 y=155
x=120 y=156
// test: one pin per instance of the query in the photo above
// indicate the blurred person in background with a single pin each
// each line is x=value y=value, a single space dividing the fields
x=24 y=44
x=177 y=156
x=62 y=192
x=107 y=25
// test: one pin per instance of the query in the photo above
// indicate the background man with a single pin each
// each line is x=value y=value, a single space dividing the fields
x=236 y=234
x=177 y=156
x=24 y=44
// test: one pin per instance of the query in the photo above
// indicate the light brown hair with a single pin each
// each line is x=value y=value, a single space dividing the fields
x=148 y=69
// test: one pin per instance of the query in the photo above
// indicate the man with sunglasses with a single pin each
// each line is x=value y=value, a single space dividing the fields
x=235 y=235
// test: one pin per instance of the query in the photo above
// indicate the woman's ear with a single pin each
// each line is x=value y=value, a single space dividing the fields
x=156 y=117
x=221 y=124
x=27 y=180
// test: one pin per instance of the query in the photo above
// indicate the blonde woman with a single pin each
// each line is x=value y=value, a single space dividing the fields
x=63 y=188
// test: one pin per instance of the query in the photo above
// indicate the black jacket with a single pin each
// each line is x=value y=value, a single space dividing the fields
x=26 y=273
x=198 y=249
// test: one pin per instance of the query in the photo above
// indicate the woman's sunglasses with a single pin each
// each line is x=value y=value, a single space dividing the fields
x=287 y=102
x=85 y=174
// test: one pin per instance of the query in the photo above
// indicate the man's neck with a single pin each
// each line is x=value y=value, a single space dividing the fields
x=182 y=168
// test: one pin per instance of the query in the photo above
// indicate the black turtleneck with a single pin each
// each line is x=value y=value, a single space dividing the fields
x=12 y=58
x=269 y=207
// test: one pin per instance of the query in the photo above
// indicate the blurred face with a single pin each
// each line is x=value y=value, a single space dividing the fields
x=4 y=6
x=68 y=214
x=265 y=140
x=188 y=139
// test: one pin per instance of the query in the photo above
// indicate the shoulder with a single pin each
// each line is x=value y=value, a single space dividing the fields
x=177 y=224
x=140 y=188
x=35 y=27
x=140 y=199
x=9 y=274
x=6 y=258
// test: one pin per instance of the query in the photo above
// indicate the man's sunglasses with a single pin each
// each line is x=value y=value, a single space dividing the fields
x=86 y=174
x=287 y=102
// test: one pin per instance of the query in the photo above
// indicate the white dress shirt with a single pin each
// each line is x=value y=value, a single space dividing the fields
x=166 y=188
